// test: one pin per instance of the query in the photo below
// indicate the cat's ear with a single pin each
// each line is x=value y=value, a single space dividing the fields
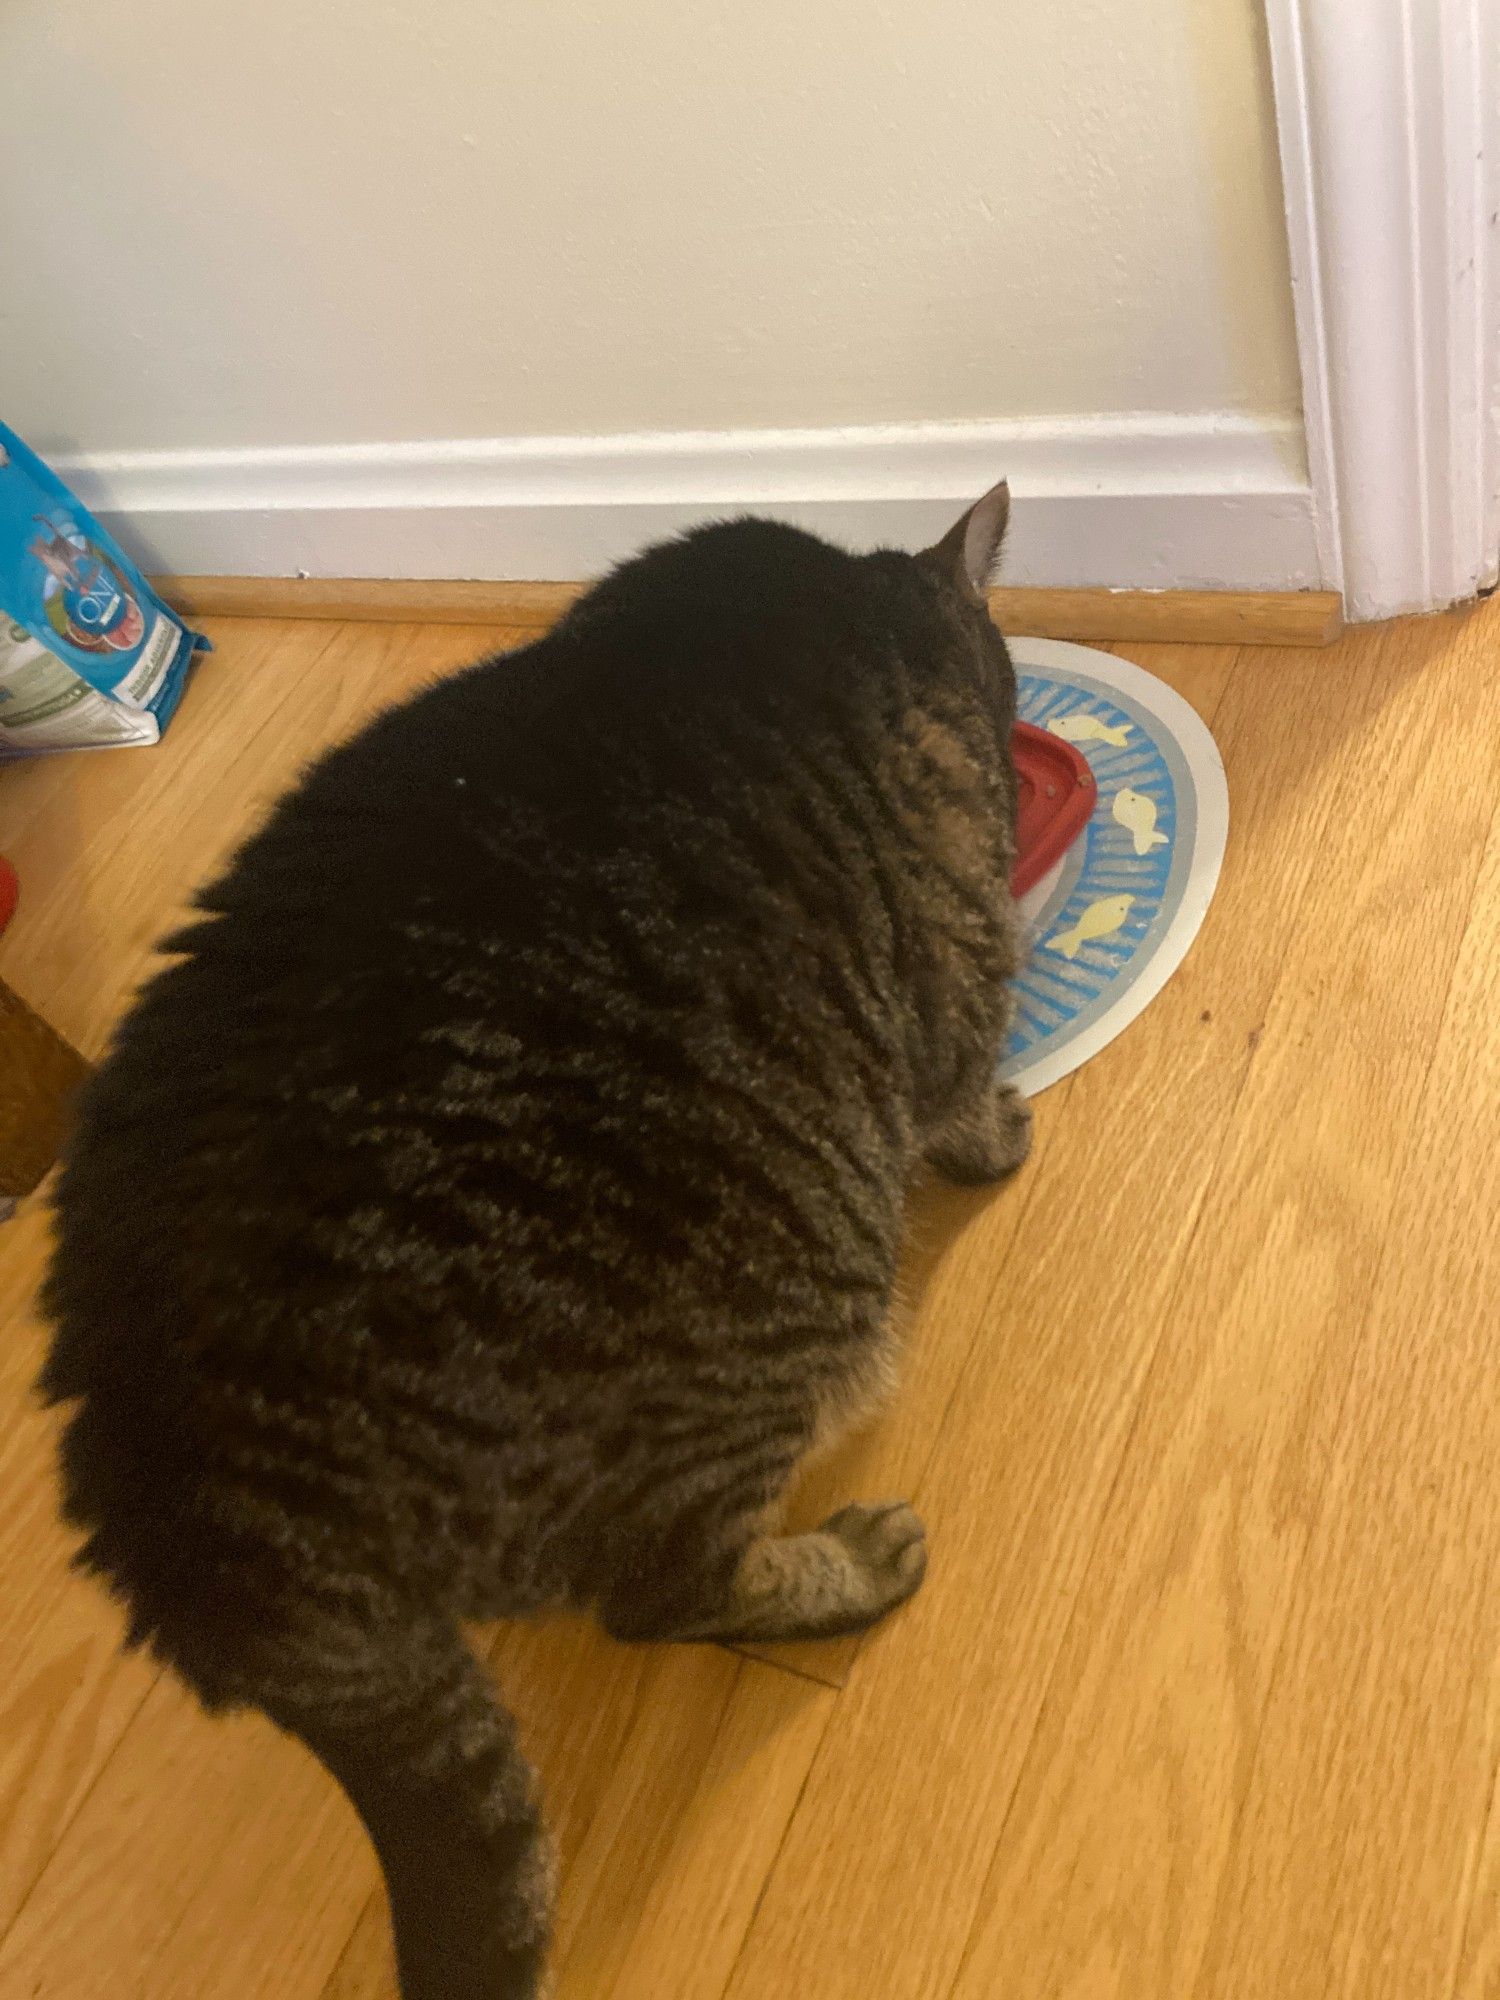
x=969 y=551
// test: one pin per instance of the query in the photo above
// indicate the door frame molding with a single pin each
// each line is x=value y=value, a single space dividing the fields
x=1388 y=117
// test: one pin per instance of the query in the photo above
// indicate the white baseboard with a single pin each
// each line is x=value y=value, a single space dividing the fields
x=1143 y=502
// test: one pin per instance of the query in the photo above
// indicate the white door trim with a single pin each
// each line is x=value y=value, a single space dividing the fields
x=1389 y=120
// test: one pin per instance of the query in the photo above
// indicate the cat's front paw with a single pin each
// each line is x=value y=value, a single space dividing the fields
x=888 y=1544
x=988 y=1141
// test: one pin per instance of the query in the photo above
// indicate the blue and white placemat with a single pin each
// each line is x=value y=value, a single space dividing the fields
x=1113 y=920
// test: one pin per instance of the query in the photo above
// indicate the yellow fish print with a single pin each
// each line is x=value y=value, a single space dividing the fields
x=1081 y=728
x=1137 y=814
x=1099 y=920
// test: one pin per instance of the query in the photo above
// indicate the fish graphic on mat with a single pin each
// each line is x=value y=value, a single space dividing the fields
x=1137 y=814
x=1099 y=920
x=1081 y=728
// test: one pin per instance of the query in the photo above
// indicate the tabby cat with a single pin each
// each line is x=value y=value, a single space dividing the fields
x=521 y=1132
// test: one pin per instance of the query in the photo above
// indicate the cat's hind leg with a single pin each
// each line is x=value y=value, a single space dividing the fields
x=841 y=1578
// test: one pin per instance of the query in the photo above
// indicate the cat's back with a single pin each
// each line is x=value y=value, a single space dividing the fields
x=554 y=981
x=668 y=799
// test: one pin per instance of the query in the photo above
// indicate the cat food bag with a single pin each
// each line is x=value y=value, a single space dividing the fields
x=90 y=657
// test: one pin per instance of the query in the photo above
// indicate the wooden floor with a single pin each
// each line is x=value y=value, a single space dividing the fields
x=1201 y=1697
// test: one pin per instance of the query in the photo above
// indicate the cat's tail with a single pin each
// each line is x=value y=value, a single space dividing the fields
x=407 y=1723
x=383 y=1691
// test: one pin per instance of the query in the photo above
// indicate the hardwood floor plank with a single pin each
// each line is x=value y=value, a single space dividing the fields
x=211 y=1861
x=929 y=1736
x=1478 y=1973
x=701 y=1894
x=1108 y=1874
x=662 y=1891
x=1200 y=674
x=1374 y=1773
x=66 y=1694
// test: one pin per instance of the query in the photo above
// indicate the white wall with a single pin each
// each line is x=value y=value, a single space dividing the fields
x=324 y=222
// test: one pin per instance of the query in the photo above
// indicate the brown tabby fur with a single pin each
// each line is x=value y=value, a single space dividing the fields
x=521 y=1137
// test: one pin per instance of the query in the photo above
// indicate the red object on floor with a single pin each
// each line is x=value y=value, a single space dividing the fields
x=10 y=889
x=1054 y=797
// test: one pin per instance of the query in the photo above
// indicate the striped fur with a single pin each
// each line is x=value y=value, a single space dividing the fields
x=500 y=1190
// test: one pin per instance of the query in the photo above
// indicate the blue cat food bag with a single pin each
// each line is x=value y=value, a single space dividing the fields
x=90 y=657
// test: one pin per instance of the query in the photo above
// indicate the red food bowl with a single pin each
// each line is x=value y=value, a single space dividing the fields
x=1054 y=797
